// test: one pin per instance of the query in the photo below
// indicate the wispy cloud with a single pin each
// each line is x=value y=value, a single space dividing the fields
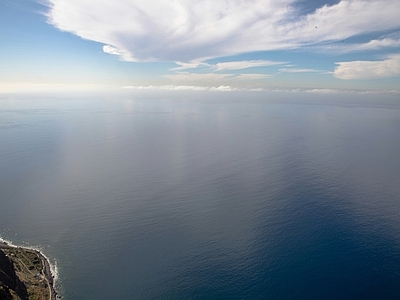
x=360 y=69
x=300 y=70
x=197 y=77
x=240 y=65
x=196 y=30
x=252 y=76
x=211 y=78
x=379 y=44
x=226 y=66
x=375 y=44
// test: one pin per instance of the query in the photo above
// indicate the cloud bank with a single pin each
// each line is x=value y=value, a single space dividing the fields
x=228 y=88
x=369 y=69
x=195 y=30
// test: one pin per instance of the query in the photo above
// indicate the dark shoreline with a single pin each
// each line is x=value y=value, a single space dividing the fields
x=48 y=275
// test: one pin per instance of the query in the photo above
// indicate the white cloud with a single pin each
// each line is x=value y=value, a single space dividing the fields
x=115 y=51
x=223 y=88
x=111 y=50
x=197 y=77
x=186 y=66
x=359 y=69
x=227 y=66
x=378 y=44
x=375 y=44
x=195 y=30
x=323 y=91
x=297 y=70
x=252 y=76
x=211 y=78
x=240 y=65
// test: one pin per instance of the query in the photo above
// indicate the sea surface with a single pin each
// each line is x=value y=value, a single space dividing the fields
x=206 y=196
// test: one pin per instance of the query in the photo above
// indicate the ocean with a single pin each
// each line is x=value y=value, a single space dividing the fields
x=206 y=195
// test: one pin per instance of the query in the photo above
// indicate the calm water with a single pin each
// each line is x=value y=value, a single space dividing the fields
x=201 y=199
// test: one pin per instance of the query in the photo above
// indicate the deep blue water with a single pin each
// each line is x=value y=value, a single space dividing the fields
x=205 y=199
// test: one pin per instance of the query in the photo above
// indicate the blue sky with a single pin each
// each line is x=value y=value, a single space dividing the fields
x=325 y=46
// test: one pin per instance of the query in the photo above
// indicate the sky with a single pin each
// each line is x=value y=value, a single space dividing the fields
x=221 y=45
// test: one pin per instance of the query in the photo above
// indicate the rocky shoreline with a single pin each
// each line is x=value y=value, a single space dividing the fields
x=26 y=275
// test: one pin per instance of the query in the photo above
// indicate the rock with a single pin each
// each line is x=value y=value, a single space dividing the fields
x=9 y=281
